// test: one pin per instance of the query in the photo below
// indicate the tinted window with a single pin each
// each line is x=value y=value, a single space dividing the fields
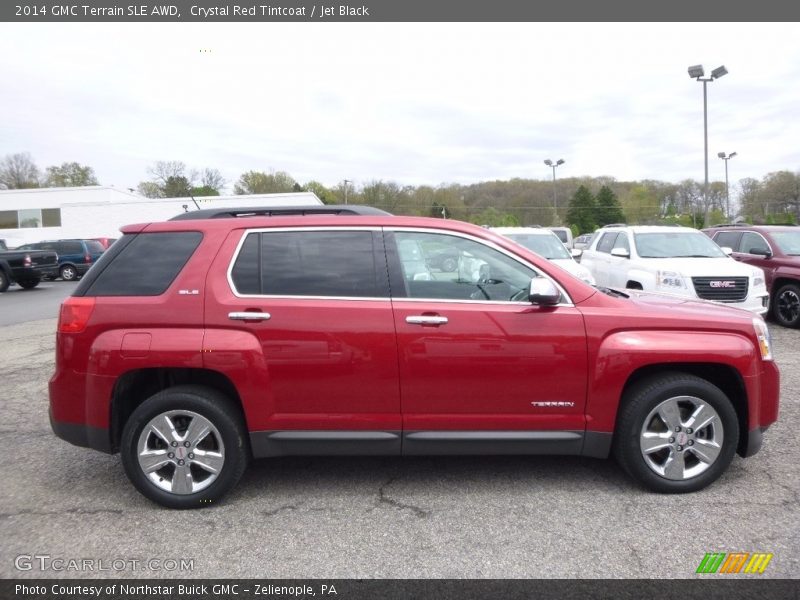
x=606 y=243
x=753 y=241
x=73 y=247
x=728 y=239
x=308 y=263
x=144 y=267
x=94 y=247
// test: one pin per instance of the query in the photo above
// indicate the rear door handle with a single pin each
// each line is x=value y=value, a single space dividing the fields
x=249 y=316
x=426 y=320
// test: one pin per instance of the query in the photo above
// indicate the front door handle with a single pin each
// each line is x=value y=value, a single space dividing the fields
x=426 y=320
x=249 y=316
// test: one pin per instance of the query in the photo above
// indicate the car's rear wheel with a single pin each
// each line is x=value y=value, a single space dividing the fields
x=185 y=447
x=786 y=305
x=4 y=281
x=68 y=273
x=676 y=433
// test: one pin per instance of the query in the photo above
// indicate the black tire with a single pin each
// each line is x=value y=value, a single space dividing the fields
x=687 y=393
x=4 y=281
x=68 y=273
x=633 y=285
x=28 y=284
x=786 y=305
x=182 y=405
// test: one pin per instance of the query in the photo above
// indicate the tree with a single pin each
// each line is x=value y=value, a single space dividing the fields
x=212 y=181
x=321 y=192
x=609 y=209
x=70 y=175
x=582 y=210
x=258 y=182
x=18 y=171
x=171 y=179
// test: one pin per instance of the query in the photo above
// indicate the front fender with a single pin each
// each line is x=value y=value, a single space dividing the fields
x=621 y=354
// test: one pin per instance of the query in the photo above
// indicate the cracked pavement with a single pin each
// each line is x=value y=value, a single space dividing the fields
x=439 y=517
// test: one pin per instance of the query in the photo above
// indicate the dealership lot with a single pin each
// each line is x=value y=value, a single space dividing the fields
x=520 y=517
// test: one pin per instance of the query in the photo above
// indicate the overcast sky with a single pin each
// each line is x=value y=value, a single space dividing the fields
x=412 y=103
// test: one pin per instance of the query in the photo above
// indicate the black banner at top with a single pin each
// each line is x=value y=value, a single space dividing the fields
x=149 y=11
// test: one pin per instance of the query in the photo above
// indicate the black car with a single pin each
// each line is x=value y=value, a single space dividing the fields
x=75 y=256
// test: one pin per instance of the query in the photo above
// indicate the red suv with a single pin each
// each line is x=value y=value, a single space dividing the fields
x=196 y=344
x=776 y=250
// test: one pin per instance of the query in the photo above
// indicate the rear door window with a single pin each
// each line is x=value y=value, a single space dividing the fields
x=728 y=239
x=318 y=263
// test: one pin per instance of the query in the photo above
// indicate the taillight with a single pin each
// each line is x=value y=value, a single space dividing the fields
x=75 y=313
x=87 y=258
x=27 y=261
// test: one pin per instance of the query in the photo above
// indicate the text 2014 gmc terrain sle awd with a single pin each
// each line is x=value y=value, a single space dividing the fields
x=196 y=344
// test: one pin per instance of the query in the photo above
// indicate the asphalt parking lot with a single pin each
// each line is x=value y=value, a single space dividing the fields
x=489 y=517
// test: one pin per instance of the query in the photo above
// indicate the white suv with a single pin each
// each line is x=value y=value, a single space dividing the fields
x=676 y=260
x=548 y=245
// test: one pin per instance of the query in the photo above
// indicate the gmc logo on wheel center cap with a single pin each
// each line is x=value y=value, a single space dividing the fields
x=722 y=284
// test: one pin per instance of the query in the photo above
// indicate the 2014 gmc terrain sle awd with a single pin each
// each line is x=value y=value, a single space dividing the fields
x=196 y=344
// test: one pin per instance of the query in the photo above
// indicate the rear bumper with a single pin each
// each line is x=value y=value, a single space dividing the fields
x=82 y=435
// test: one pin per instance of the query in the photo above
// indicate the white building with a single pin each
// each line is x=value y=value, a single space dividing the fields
x=38 y=214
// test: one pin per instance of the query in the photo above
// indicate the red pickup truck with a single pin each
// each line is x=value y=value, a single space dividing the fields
x=196 y=344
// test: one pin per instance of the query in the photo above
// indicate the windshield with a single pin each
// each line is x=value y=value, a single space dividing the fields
x=544 y=245
x=677 y=244
x=788 y=241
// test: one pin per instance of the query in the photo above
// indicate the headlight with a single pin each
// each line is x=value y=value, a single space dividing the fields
x=764 y=340
x=669 y=279
x=758 y=278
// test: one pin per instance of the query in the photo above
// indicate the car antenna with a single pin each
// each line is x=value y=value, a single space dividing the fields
x=193 y=200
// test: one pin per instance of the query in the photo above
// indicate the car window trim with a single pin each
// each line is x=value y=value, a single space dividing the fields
x=741 y=239
x=259 y=230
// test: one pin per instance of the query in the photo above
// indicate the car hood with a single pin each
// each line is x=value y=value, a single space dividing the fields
x=573 y=268
x=702 y=267
x=681 y=306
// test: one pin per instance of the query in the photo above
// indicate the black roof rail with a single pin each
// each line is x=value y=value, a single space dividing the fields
x=279 y=211
x=731 y=225
x=616 y=225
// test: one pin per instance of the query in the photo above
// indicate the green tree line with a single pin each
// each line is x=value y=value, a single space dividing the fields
x=583 y=203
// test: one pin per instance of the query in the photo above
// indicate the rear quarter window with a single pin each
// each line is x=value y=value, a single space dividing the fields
x=145 y=264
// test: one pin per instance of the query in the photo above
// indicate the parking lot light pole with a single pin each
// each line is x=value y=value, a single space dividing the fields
x=346 y=183
x=697 y=72
x=553 y=165
x=727 y=194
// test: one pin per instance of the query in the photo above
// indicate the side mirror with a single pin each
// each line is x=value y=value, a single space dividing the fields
x=760 y=252
x=576 y=253
x=621 y=252
x=727 y=250
x=543 y=292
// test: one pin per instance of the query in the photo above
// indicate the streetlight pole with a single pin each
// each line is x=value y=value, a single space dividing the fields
x=727 y=194
x=697 y=72
x=346 y=182
x=553 y=165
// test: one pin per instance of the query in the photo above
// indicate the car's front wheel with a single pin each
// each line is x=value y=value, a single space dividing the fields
x=185 y=447
x=786 y=305
x=676 y=433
